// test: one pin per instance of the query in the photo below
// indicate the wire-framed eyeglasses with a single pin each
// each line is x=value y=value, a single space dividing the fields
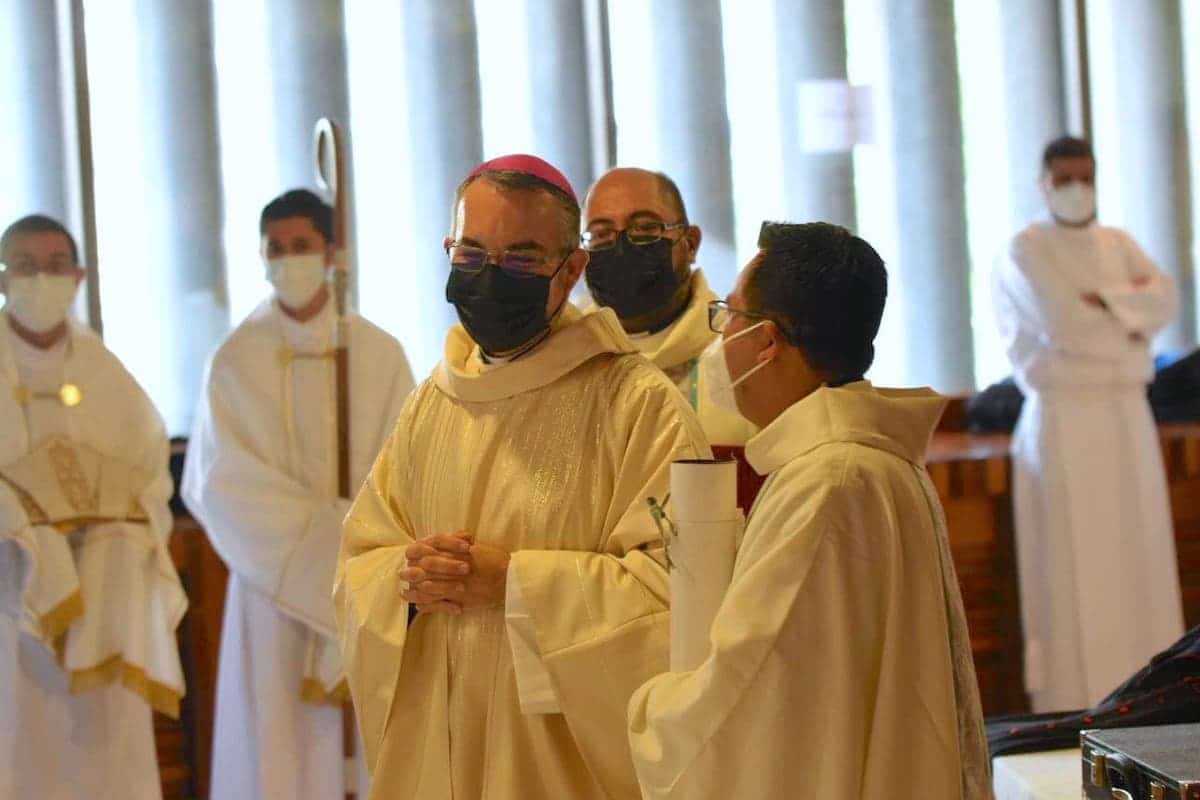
x=640 y=233
x=720 y=313
x=518 y=263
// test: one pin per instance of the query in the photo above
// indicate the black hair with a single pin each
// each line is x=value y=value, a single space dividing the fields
x=826 y=288
x=1066 y=147
x=38 y=223
x=516 y=180
x=299 y=203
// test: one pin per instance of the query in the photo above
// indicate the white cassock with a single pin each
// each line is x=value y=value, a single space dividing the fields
x=261 y=477
x=1095 y=549
x=89 y=598
x=676 y=350
x=841 y=662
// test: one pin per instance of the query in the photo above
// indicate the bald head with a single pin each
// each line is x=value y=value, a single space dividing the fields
x=625 y=192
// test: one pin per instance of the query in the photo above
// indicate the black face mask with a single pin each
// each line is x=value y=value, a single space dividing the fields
x=500 y=311
x=635 y=280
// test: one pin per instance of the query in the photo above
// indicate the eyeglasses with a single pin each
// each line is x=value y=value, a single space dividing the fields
x=27 y=268
x=517 y=263
x=641 y=233
x=720 y=313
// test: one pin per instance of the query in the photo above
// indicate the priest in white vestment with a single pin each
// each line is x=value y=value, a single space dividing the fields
x=510 y=508
x=261 y=476
x=642 y=250
x=89 y=597
x=1077 y=304
x=840 y=662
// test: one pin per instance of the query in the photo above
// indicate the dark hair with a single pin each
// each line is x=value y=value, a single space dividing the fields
x=672 y=191
x=514 y=180
x=299 y=203
x=38 y=223
x=826 y=288
x=1066 y=147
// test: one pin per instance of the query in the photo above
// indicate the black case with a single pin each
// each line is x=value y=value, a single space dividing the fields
x=1156 y=763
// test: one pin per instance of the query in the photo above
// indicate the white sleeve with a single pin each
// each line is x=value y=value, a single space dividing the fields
x=270 y=530
x=1144 y=308
x=534 y=688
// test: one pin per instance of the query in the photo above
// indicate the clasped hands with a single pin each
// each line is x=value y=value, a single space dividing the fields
x=449 y=572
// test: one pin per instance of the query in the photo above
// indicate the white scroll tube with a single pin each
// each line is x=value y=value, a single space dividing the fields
x=707 y=523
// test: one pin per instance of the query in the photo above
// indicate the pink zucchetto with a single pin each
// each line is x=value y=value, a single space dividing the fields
x=529 y=165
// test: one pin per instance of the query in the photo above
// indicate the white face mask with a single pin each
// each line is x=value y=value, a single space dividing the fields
x=714 y=372
x=297 y=279
x=40 y=302
x=1073 y=203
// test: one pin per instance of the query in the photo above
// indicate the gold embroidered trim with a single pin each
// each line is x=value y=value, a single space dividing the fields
x=54 y=623
x=311 y=691
x=286 y=356
x=71 y=478
x=66 y=526
x=160 y=697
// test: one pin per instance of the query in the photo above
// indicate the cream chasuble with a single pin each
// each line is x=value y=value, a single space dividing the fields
x=261 y=477
x=841 y=664
x=675 y=350
x=1095 y=547
x=89 y=598
x=552 y=457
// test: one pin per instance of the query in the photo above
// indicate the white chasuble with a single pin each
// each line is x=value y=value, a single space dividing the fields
x=550 y=456
x=1095 y=547
x=89 y=597
x=261 y=476
x=840 y=662
x=676 y=350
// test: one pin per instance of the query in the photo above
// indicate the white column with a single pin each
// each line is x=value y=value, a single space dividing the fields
x=445 y=137
x=810 y=39
x=1141 y=139
x=33 y=168
x=693 y=127
x=558 y=64
x=930 y=204
x=1034 y=97
x=181 y=167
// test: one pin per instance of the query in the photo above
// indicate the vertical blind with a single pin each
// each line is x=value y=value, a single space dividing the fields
x=202 y=111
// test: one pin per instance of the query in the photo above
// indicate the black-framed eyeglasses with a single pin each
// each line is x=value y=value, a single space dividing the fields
x=640 y=233
x=518 y=263
x=720 y=313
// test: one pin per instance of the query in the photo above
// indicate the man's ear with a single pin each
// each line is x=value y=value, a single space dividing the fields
x=774 y=341
x=693 y=236
x=576 y=263
x=80 y=274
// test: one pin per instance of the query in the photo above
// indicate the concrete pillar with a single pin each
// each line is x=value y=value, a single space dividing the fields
x=561 y=123
x=1034 y=97
x=307 y=44
x=445 y=135
x=693 y=126
x=182 y=172
x=33 y=168
x=1142 y=140
x=810 y=39
x=934 y=265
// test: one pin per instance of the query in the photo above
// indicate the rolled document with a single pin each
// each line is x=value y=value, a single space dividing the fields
x=707 y=522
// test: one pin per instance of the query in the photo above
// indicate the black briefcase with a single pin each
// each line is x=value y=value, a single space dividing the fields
x=1156 y=763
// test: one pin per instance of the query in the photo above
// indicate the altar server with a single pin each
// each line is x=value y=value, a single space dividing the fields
x=260 y=476
x=89 y=598
x=840 y=664
x=1077 y=304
